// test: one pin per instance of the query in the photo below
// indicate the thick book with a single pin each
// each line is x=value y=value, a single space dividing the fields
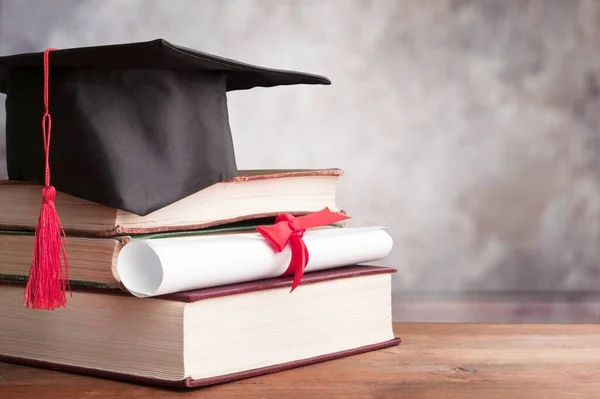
x=253 y=194
x=208 y=336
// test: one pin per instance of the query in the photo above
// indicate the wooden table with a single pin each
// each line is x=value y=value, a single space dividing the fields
x=434 y=361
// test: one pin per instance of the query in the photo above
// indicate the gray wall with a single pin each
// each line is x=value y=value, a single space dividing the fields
x=471 y=128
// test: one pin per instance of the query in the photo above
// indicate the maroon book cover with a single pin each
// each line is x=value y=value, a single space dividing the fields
x=192 y=383
x=197 y=295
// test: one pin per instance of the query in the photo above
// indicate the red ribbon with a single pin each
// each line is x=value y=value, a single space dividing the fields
x=289 y=230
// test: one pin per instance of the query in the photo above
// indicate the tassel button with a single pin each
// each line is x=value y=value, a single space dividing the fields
x=48 y=195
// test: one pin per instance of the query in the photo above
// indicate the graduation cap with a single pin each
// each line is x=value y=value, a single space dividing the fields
x=133 y=126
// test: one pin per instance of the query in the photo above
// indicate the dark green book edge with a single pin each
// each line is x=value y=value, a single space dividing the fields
x=80 y=283
x=248 y=225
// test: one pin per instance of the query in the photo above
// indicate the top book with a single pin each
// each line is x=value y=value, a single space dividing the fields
x=251 y=195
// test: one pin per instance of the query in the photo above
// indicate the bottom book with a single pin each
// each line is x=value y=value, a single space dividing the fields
x=204 y=337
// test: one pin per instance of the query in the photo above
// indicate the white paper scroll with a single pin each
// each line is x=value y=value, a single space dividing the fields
x=167 y=265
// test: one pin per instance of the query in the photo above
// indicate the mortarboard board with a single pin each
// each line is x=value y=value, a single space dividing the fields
x=137 y=127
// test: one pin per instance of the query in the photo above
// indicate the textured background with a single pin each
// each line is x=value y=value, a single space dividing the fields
x=471 y=128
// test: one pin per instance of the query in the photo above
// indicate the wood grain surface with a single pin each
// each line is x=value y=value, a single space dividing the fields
x=488 y=361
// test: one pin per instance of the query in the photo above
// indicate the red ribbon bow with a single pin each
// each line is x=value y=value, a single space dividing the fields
x=290 y=229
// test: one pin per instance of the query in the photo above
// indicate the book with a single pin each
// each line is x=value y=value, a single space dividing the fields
x=208 y=336
x=151 y=266
x=252 y=194
x=92 y=261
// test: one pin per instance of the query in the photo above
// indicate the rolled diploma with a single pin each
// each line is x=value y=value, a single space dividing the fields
x=167 y=265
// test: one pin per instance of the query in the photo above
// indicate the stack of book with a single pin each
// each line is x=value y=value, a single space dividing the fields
x=252 y=274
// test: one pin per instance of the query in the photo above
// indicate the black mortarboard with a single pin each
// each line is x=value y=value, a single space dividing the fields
x=134 y=126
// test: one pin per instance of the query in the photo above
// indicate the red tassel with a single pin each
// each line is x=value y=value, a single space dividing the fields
x=47 y=283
